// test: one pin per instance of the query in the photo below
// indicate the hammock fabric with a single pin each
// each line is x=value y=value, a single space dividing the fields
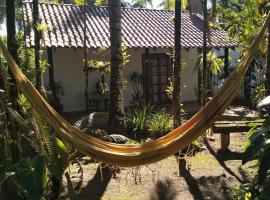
x=139 y=154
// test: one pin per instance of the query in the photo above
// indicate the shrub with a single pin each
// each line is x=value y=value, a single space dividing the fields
x=258 y=147
x=136 y=122
x=160 y=123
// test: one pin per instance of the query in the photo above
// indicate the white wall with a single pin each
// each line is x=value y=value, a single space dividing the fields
x=189 y=76
x=68 y=70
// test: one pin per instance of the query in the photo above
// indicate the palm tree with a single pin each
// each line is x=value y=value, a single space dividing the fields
x=11 y=37
x=13 y=93
x=36 y=21
x=170 y=4
x=267 y=75
x=116 y=102
x=204 y=70
x=177 y=65
x=141 y=3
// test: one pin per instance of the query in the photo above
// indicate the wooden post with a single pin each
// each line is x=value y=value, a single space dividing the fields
x=224 y=141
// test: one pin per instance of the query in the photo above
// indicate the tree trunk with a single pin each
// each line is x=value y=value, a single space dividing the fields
x=12 y=46
x=12 y=93
x=177 y=66
x=3 y=119
x=116 y=103
x=204 y=81
x=36 y=21
x=267 y=80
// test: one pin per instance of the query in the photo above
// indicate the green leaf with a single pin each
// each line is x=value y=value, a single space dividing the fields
x=264 y=166
x=5 y=173
x=79 y=2
x=31 y=175
x=256 y=145
x=59 y=161
x=266 y=123
x=252 y=124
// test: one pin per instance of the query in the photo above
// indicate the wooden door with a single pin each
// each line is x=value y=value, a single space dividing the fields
x=156 y=73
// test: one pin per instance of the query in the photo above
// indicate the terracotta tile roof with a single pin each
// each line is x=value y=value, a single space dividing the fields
x=140 y=27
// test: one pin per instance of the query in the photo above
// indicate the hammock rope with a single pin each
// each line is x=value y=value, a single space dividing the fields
x=139 y=154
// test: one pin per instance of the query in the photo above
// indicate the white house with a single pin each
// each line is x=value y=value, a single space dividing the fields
x=148 y=35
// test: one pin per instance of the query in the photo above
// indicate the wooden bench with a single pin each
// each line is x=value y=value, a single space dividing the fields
x=224 y=128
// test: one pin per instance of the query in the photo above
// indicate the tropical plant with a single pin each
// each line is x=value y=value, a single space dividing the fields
x=136 y=121
x=95 y=125
x=159 y=124
x=242 y=20
x=170 y=4
x=258 y=147
x=141 y=3
x=214 y=67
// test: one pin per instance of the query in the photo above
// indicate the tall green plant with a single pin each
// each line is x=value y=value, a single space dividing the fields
x=136 y=121
x=160 y=123
x=258 y=147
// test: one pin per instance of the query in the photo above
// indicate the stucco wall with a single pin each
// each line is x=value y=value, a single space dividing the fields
x=68 y=70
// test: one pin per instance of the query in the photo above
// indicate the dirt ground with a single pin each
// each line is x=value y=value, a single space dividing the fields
x=207 y=175
x=210 y=174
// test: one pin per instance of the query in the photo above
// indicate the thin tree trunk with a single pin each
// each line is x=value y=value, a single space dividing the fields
x=3 y=119
x=267 y=80
x=116 y=103
x=36 y=21
x=86 y=70
x=204 y=81
x=12 y=46
x=177 y=65
x=12 y=93
x=226 y=62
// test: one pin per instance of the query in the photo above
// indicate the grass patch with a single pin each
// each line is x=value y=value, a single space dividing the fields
x=201 y=160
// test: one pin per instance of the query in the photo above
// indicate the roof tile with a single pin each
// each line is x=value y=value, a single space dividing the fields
x=140 y=27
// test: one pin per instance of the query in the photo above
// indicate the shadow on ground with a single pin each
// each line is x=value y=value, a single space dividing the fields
x=164 y=190
x=211 y=187
x=220 y=158
x=96 y=187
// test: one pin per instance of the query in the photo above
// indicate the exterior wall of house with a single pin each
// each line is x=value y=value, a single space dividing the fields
x=68 y=71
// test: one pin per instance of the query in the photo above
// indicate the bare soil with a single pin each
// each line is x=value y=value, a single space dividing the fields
x=207 y=175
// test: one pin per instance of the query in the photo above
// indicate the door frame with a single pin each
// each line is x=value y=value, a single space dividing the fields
x=145 y=74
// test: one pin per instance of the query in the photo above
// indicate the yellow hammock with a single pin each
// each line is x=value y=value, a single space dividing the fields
x=139 y=154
